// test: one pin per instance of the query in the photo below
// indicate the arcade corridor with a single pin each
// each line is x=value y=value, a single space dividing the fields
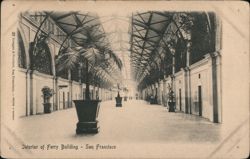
x=167 y=58
x=144 y=84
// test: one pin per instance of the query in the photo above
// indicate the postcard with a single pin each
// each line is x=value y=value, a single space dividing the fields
x=124 y=79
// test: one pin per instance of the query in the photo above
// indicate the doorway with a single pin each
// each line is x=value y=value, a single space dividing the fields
x=200 y=100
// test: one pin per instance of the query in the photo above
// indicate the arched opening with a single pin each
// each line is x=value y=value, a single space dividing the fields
x=41 y=56
x=22 y=63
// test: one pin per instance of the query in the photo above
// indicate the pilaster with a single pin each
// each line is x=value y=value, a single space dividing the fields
x=55 y=96
x=215 y=61
x=187 y=90
x=164 y=100
x=31 y=91
x=70 y=89
x=28 y=93
x=160 y=96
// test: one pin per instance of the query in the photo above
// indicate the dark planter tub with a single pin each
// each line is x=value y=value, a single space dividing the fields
x=87 y=113
x=118 y=101
x=153 y=101
x=46 y=108
x=171 y=106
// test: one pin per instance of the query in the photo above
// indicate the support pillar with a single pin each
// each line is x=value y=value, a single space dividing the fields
x=215 y=62
x=55 y=96
x=164 y=100
x=94 y=92
x=187 y=81
x=70 y=89
x=31 y=91
x=160 y=92
x=187 y=90
x=155 y=88
x=28 y=93
x=98 y=93
x=152 y=90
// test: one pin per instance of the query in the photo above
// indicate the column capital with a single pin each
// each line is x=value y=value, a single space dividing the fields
x=29 y=71
x=185 y=69
x=215 y=54
x=161 y=81
x=207 y=56
x=172 y=76
x=156 y=85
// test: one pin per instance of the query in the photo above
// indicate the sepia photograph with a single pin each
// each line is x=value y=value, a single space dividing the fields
x=124 y=79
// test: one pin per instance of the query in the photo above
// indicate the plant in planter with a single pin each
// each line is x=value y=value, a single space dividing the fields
x=126 y=93
x=95 y=59
x=171 y=101
x=47 y=94
x=118 y=99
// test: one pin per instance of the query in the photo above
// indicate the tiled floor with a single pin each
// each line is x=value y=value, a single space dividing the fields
x=136 y=121
x=138 y=129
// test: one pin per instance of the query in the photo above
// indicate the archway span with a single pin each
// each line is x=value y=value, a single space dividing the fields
x=24 y=45
x=41 y=59
x=22 y=60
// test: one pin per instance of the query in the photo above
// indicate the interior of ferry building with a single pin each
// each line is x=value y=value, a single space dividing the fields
x=165 y=67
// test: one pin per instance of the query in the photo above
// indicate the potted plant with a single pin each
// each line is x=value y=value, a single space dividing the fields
x=171 y=101
x=93 y=57
x=118 y=100
x=47 y=94
x=126 y=94
x=153 y=99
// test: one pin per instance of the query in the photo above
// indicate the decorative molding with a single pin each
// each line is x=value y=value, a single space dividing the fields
x=24 y=70
x=34 y=72
x=179 y=73
x=199 y=63
x=62 y=79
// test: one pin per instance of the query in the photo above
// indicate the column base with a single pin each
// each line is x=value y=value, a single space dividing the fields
x=118 y=105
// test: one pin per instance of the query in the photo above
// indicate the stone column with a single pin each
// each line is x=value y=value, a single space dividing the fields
x=164 y=100
x=157 y=91
x=184 y=92
x=98 y=92
x=55 y=96
x=70 y=89
x=94 y=92
x=152 y=90
x=31 y=91
x=155 y=86
x=187 y=90
x=28 y=93
x=187 y=82
x=160 y=92
x=215 y=63
x=173 y=77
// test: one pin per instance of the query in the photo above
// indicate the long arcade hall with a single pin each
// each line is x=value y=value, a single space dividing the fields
x=137 y=82
x=165 y=57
